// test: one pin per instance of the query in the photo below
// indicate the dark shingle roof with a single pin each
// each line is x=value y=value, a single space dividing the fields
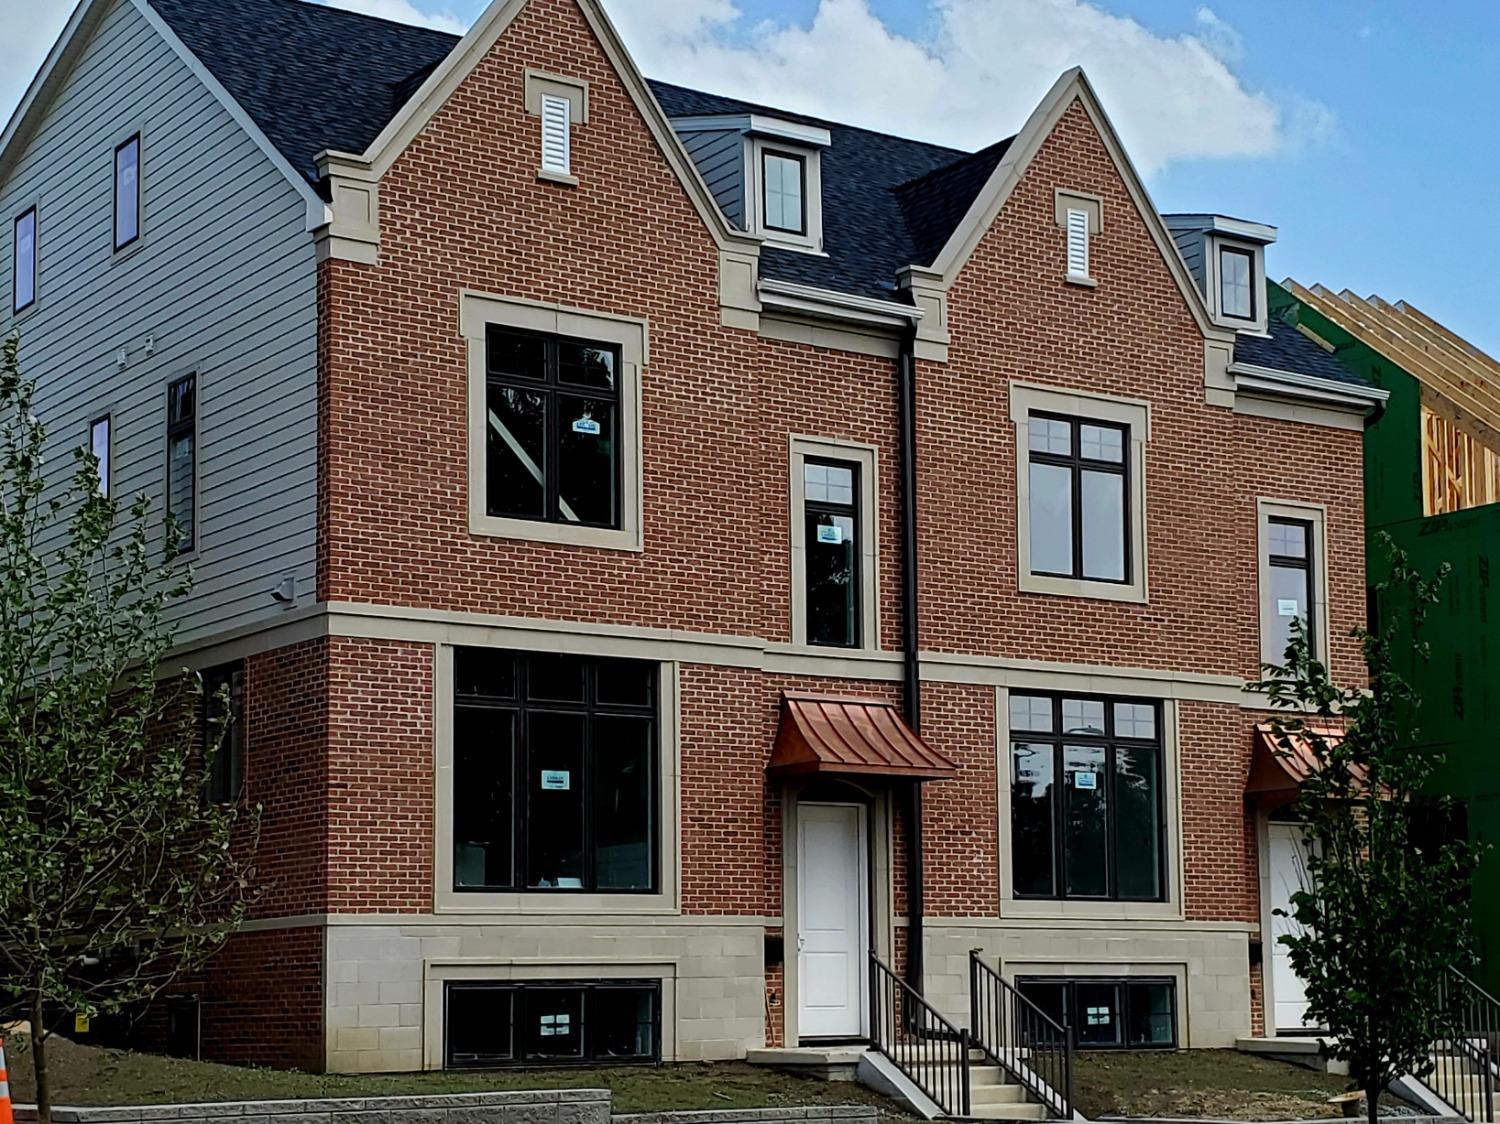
x=311 y=77
x=1288 y=349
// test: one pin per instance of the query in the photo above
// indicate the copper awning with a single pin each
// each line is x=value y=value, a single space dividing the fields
x=830 y=735
x=1278 y=770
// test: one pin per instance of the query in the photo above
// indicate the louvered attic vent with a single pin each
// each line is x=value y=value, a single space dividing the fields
x=557 y=150
x=1078 y=243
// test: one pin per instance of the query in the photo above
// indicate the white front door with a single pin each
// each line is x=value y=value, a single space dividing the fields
x=1288 y=875
x=832 y=920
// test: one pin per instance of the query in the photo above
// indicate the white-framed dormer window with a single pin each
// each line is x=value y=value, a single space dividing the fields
x=783 y=180
x=1237 y=282
x=562 y=104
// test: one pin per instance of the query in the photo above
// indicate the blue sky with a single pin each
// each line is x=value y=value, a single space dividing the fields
x=1364 y=130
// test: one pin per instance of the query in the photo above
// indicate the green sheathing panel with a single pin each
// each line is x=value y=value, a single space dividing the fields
x=1460 y=684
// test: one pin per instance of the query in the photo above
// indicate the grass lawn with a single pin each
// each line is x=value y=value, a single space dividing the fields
x=88 y=1075
x=1216 y=1084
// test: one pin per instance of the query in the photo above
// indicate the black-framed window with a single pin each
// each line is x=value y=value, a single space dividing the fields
x=99 y=445
x=1130 y=1013
x=128 y=192
x=784 y=191
x=1087 y=798
x=1079 y=486
x=1237 y=283
x=555 y=765
x=1290 y=557
x=182 y=461
x=552 y=451
x=23 y=261
x=551 y=1022
x=224 y=687
x=831 y=525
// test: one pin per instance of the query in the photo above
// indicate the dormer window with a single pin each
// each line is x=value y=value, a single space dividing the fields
x=784 y=187
x=1237 y=283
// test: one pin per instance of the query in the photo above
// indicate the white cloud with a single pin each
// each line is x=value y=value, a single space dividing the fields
x=403 y=11
x=30 y=31
x=978 y=73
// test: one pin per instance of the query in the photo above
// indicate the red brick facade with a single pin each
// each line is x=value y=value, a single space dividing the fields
x=342 y=730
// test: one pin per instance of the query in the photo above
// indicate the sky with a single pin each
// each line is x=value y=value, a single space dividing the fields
x=1365 y=130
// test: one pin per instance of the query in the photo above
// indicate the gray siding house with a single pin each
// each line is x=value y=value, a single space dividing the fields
x=219 y=284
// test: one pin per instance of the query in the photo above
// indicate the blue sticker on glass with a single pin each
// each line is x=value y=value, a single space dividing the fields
x=586 y=425
x=831 y=535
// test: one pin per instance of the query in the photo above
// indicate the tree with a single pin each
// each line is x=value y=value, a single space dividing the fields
x=1383 y=915
x=116 y=874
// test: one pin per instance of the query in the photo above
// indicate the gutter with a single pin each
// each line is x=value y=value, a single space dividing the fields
x=906 y=377
x=1292 y=384
x=831 y=304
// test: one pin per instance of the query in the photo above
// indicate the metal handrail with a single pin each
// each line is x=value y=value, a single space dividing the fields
x=919 y=1041
x=1019 y=1036
x=1463 y=1055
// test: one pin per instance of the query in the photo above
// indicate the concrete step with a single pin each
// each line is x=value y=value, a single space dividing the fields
x=1007 y=1112
x=997 y=1094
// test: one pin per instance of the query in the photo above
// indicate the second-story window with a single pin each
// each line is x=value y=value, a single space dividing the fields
x=784 y=179
x=1086 y=798
x=830 y=491
x=1290 y=566
x=553 y=446
x=99 y=446
x=128 y=192
x=182 y=462
x=1236 y=283
x=23 y=261
x=1079 y=517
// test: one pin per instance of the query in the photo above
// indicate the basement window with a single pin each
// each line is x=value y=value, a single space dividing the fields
x=488 y=1024
x=1131 y=1013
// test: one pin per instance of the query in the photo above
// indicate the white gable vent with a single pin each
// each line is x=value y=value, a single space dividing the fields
x=557 y=149
x=1078 y=243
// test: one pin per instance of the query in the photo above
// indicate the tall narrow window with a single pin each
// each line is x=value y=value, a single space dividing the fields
x=1079 y=506
x=553 y=449
x=1078 y=243
x=224 y=727
x=554 y=777
x=182 y=461
x=99 y=446
x=23 y=261
x=1236 y=288
x=784 y=189
x=1086 y=799
x=830 y=491
x=128 y=192
x=1290 y=561
x=557 y=140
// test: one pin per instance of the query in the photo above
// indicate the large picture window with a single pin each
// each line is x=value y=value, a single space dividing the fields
x=551 y=1022
x=1133 y=1013
x=1086 y=799
x=554 y=773
x=552 y=449
x=1079 y=494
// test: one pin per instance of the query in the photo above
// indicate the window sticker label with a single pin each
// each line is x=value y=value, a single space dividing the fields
x=832 y=535
x=586 y=425
x=1098 y=1016
x=556 y=780
x=555 y=1025
x=1086 y=780
x=1286 y=607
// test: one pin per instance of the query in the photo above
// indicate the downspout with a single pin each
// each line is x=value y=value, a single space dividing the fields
x=906 y=413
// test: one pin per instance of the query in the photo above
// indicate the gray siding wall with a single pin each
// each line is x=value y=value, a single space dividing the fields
x=1190 y=245
x=720 y=157
x=222 y=281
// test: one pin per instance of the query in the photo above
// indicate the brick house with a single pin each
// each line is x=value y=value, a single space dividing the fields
x=668 y=550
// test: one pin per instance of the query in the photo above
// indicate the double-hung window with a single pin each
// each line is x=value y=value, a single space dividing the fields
x=545 y=1022
x=23 y=261
x=831 y=491
x=1289 y=562
x=555 y=766
x=128 y=192
x=1237 y=283
x=552 y=449
x=182 y=462
x=1079 y=498
x=1087 y=800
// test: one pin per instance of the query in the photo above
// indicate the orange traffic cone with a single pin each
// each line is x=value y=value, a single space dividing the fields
x=5 y=1114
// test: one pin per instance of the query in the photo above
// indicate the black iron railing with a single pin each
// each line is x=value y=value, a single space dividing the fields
x=927 y=1048
x=1465 y=1056
x=1021 y=1038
